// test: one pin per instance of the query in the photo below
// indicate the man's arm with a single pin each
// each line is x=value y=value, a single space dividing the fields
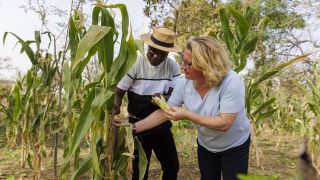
x=167 y=96
x=119 y=93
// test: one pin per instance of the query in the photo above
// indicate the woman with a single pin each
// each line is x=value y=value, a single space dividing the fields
x=214 y=99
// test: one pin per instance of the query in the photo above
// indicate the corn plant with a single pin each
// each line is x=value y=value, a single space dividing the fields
x=311 y=88
x=12 y=126
x=34 y=103
x=111 y=155
x=241 y=37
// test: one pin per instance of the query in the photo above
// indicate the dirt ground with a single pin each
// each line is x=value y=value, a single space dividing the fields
x=278 y=158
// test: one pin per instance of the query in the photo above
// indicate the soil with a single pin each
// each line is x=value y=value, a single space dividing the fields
x=278 y=158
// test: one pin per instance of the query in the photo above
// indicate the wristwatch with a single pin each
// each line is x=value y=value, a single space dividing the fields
x=134 y=128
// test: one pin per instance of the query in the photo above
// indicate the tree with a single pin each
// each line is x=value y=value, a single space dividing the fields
x=193 y=18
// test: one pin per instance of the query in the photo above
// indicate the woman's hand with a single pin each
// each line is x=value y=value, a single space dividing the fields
x=178 y=113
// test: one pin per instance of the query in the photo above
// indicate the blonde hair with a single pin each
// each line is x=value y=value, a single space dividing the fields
x=210 y=57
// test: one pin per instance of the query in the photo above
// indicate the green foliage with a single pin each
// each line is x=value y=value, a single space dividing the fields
x=96 y=112
x=33 y=107
x=242 y=40
x=282 y=14
x=87 y=110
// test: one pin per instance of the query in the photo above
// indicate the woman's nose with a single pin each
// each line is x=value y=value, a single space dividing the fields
x=183 y=67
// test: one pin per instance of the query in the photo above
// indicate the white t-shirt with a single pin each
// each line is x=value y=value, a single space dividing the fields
x=145 y=79
x=228 y=97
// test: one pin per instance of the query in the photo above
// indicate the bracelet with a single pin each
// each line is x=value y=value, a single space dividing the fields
x=134 y=128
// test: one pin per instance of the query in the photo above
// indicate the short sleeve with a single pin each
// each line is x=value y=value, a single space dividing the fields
x=128 y=79
x=176 y=98
x=176 y=73
x=232 y=99
x=125 y=82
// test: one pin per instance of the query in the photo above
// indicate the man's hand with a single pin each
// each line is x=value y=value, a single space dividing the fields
x=116 y=110
x=118 y=123
x=155 y=95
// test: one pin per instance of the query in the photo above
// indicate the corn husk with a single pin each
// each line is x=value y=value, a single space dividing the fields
x=162 y=103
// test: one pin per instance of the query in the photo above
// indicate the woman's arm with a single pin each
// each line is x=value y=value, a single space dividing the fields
x=153 y=120
x=222 y=122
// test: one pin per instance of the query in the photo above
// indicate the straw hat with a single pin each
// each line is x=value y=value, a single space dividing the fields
x=161 y=38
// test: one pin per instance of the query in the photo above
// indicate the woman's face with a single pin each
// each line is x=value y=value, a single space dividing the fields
x=186 y=67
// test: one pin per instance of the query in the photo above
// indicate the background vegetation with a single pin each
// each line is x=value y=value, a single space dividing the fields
x=57 y=118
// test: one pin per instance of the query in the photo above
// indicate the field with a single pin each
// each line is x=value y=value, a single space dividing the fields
x=279 y=158
x=59 y=114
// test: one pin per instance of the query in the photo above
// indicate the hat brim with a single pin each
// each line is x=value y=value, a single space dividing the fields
x=146 y=38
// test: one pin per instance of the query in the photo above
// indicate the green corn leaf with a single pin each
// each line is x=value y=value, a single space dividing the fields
x=28 y=42
x=93 y=145
x=276 y=69
x=37 y=38
x=95 y=15
x=102 y=96
x=120 y=139
x=16 y=93
x=249 y=13
x=228 y=36
x=130 y=60
x=25 y=47
x=246 y=50
x=291 y=61
x=140 y=46
x=36 y=122
x=315 y=91
x=302 y=88
x=29 y=161
x=261 y=117
x=142 y=159
x=106 y=45
x=250 y=46
x=263 y=106
x=90 y=39
x=262 y=25
x=29 y=83
x=121 y=164
x=242 y=24
x=97 y=97
x=85 y=120
x=120 y=60
x=93 y=84
x=85 y=167
x=124 y=149
x=66 y=79
x=82 y=65
x=73 y=38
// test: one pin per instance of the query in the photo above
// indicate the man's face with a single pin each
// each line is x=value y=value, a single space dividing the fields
x=156 y=56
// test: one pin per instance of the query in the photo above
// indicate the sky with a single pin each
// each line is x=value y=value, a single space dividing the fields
x=14 y=19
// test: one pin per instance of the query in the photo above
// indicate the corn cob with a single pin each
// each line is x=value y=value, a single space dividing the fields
x=161 y=102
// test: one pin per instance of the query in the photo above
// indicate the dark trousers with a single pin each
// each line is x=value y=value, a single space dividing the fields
x=230 y=162
x=165 y=150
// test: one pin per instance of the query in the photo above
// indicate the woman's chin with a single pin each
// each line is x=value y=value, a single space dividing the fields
x=187 y=75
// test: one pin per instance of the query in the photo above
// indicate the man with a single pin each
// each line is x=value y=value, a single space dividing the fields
x=154 y=75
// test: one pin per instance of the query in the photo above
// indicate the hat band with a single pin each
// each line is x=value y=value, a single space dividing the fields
x=160 y=43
